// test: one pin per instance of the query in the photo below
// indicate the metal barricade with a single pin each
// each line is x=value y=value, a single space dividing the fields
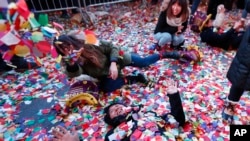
x=88 y=3
x=41 y=6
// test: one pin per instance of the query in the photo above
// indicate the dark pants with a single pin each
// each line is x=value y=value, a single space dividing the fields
x=235 y=93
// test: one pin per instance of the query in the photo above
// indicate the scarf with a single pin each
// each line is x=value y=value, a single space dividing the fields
x=174 y=21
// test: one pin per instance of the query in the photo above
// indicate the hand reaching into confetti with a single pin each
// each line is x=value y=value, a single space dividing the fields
x=172 y=86
x=63 y=135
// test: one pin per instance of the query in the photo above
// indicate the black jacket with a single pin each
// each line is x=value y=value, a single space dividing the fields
x=239 y=71
x=163 y=26
x=224 y=40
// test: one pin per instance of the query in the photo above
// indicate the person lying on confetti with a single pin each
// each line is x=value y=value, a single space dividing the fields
x=214 y=34
x=105 y=61
x=135 y=122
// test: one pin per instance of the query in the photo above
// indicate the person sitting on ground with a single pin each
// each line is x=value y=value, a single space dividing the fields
x=105 y=61
x=171 y=24
x=117 y=114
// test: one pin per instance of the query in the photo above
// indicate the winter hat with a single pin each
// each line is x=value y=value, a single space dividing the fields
x=220 y=15
x=82 y=92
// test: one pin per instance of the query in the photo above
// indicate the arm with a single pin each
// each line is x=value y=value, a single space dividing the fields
x=175 y=102
x=61 y=134
x=113 y=52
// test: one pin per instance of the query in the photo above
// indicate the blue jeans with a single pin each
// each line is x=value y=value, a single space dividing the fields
x=165 y=38
x=195 y=5
x=244 y=12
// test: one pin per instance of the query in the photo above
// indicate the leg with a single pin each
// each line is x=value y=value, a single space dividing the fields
x=138 y=61
x=178 y=40
x=163 y=38
x=235 y=94
x=109 y=85
x=195 y=5
x=233 y=98
x=244 y=12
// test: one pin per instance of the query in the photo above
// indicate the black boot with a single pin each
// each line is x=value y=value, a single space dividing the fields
x=135 y=77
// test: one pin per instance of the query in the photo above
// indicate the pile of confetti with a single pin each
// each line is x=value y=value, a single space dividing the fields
x=30 y=101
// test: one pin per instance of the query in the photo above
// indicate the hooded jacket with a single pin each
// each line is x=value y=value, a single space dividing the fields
x=239 y=70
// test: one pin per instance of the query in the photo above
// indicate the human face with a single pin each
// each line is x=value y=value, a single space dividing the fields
x=117 y=110
x=176 y=9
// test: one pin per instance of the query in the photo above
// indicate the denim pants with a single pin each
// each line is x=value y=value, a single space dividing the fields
x=235 y=93
x=195 y=5
x=107 y=84
x=244 y=12
x=165 y=38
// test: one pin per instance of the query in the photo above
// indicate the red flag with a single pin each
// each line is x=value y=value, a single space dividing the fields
x=22 y=9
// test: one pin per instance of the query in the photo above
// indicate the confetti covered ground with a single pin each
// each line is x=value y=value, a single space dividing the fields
x=28 y=100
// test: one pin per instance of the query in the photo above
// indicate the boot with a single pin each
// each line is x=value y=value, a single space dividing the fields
x=228 y=111
x=135 y=77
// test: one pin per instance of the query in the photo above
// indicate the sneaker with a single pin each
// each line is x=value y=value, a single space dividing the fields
x=228 y=112
x=189 y=56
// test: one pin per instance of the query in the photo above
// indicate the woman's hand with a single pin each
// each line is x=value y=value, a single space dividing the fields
x=172 y=86
x=113 y=71
x=179 y=30
x=63 y=135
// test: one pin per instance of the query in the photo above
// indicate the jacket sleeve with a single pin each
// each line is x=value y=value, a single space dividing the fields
x=211 y=37
x=110 y=50
x=176 y=108
x=184 y=26
x=162 y=25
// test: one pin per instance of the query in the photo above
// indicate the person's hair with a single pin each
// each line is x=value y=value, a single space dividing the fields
x=90 y=55
x=184 y=14
x=116 y=120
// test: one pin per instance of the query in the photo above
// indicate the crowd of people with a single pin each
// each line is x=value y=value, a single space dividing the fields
x=105 y=61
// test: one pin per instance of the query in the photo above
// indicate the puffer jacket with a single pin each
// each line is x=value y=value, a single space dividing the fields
x=239 y=70
x=112 y=53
